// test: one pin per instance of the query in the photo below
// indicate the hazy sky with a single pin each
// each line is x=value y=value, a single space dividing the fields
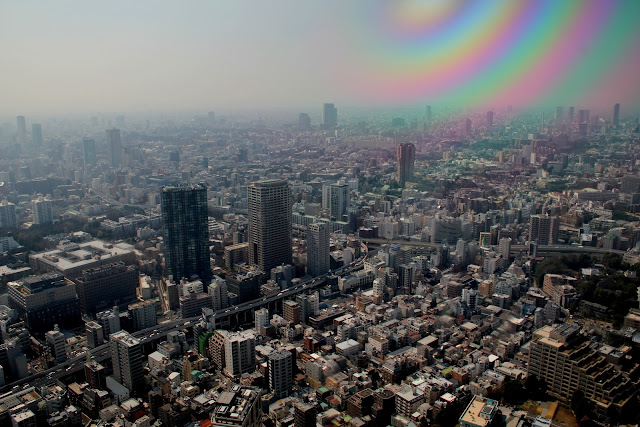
x=111 y=56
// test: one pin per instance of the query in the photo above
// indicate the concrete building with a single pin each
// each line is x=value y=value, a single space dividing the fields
x=57 y=343
x=114 y=148
x=45 y=300
x=543 y=229
x=126 y=358
x=42 y=211
x=261 y=319
x=8 y=217
x=318 y=248
x=329 y=116
x=238 y=407
x=143 y=314
x=105 y=286
x=280 y=368
x=95 y=334
x=240 y=353
x=219 y=293
x=335 y=200
x=480 y=412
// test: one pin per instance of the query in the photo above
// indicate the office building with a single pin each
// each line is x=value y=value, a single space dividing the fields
x=318 y=248
x=186 y=232
x=109 y=320
x=427 y=114
x=280 y=368
x=126 y=358
x=105 y=286
x=71 y=259
x=192 y=303
x=95 y=375
x=22 y=129
x=616 y=115
x=559 y=114
x=36 y=134
x=246 y=286
x=45 y=300
x=238 y=407
x=143 y=315
x=261 y=319
x=240 y=353
x=329 y=116
x=567 y=361
x=291 y=311
x=57 y=344
x=89 y=151
x=480 y=412
x=304 y=121
x=468 y=126
x=269 y=224
x=543 y=229
x=335 y=200
x=219 y=293
x=114 y=148
x=406 y=160
x=8 y=217
x=304 y=415
x=42 y=211
x=95 y=334
x=489 y=119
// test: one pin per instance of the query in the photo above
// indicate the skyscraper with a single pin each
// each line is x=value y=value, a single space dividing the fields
x=489 y=118
x=114 y=145
x=335 y=199
x=186 y=231
x=304 y=121
x=22 y=129
x=427 y=114
x=571 y=113
x=269 y=223
x=318 y=249
x=329 y=116
x=616 y=114
x=406 y=159
x=126 y=358
x=468 y=126
x=36 y=134
x=89 y=151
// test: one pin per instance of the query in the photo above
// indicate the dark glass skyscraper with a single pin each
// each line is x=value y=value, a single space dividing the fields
x=269 y=223
x=114 y=145
x=406 y=160
x=89 y=151
x=186 y=231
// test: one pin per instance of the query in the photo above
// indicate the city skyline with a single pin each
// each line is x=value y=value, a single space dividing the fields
x=158 y=56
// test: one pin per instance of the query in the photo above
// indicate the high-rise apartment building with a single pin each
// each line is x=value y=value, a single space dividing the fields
x=57 y=343
x=8 y=217
x=280 y=368
x=318 y=247
x=186 y=232
x=261 y=318
x=126 y=358
x=36 y=134
x=114 y=147
x=95 y=334
x=567 y=361
x=89 y=151
x=543 y=229
x=335 y=200
x=42 y=211
x=219 y=293
x=406 y=160
x=22 y=129
x=329 y=116
x=304 y=415
x=304 y=121
x=143 y=314
x=240 y=353
x=269 y=224
x=427 y=114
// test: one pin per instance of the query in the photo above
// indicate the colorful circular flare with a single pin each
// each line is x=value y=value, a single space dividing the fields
x=491 y=52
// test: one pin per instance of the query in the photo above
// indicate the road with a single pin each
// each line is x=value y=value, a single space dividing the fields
x=514 y=248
